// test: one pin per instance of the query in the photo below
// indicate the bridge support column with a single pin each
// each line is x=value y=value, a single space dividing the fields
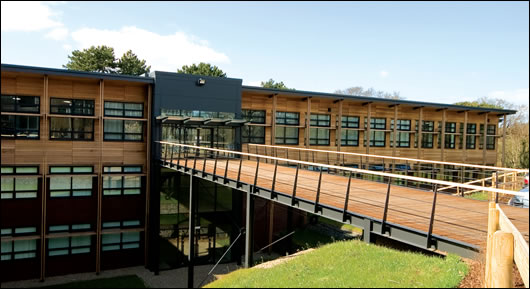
x=191 y=229
x=367 y=228
x=249 y=229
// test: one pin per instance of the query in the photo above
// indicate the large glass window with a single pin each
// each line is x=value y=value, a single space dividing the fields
x=317 y=135
x=19 y=103
x=71 y=128
x=20 y=126
x=122 y=185
x=250 y=133
x=427 y=138
x=286 y=134
x=124 y=109
x=21 y=187
x=350 y=122
x=71 y=186
x=377 y=136
x=18 y=249
x=450 y=137
x=471 y=138
x=403 y=134
x=69 y=245
x=320 y=120
x=121 y=241
x=71 y=106
x=490 y=137
x=123 y=130
x=349 y=137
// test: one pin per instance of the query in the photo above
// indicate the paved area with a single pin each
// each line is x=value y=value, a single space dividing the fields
x=177 y=278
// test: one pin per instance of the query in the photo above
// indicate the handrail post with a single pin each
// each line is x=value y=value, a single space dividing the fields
x=273 y=194
x=226 y=169
x=165 y=154
x=293 y=201
x=318 y=190
x=256 y=175
x=496 y=186
x=493 y=225
x=344 y=214
x=239 y=172
x=204 y=165
x=431 y=222
x=178 y=162
x=171 y=163
x=385 y=212
x=215 y=165
x=194 y=160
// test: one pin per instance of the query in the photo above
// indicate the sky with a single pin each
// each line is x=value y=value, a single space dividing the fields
x=441 y=52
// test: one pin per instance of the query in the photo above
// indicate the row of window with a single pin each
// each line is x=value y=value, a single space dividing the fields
x=20 y=187
x=28 y=127
x=321 y=136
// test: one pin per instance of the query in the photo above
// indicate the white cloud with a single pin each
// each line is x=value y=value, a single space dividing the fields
x=383 y=73
x=519 y=96
x=67 y=47
x=57 y=34
x=162 y=52
x=27 y=16
x=252 y=83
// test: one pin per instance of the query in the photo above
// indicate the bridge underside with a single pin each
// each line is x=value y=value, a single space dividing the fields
x=459 y=225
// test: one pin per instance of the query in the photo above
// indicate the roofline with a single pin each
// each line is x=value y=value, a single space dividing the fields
x=373 y=99
x=74 y=73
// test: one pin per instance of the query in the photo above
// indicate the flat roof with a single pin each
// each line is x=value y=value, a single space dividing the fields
x=303 y=93
x=75 y=73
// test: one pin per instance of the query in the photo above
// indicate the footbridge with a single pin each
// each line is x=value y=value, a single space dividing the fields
x=417 y=202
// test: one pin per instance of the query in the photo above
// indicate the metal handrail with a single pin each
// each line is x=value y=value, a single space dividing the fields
x=348 y=169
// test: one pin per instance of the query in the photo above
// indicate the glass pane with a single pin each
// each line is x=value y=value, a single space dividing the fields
x=134 y=106
x=81 y=241
x=133 y=126
x=25 y=230
x=26 y=184
x=111 y=182
x=6 y=247
x=8 y=103
x=132 y=169
x=111 y=192
x=81 y=227
x=110 y=248
x=8 y=184
x=28 y=195
x=57 y=243
x=60 y=170
x=61 y=127
x=110 y=239
x=82 y=183
x=133 y=113
x=7 y=170
x=58 y=252
x=7 y=195
x=131 y=223
x=27 y=104
x=113 y=125
x=131 y=237
x=8 y=126
x=59 y=228
x=132 y=182
x=25 y=245
x=112 y=169
x=27 y=170
x=131 y=191
x=25 y=255
x=81 y=193
x=83 y=169
x=113 y=105
x=111 y=224
x=131 y=246
x=6 y=232
x=80 y=250
x=60 y=183
x=59 y=194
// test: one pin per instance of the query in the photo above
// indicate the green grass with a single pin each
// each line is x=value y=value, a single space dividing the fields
x=481 y=196
x=129 y=281
x=345 y=227
x=353 y=264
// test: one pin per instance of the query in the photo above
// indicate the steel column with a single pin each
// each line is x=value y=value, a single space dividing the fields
x=248 y=229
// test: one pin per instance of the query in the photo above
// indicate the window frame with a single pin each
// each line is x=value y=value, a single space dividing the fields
x=16 y=105
x=123 y=133
x=16 y=130
x=71 y=131
x=72 y=106
x=123 y=109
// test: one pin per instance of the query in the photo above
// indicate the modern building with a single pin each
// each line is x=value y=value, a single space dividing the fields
x=82 y=191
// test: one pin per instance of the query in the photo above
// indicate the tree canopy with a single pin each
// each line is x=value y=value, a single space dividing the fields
x=370 y=92
x=102 y=59
x=202 y=68
x=275 y=85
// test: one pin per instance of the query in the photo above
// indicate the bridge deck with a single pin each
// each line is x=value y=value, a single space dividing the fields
x=456 y=218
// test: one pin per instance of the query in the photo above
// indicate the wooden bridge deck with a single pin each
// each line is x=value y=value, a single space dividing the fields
x=456 y=218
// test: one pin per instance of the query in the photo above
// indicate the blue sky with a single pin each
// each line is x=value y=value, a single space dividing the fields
x=428 y=51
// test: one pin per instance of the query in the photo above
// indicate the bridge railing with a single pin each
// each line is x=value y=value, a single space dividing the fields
x=485 y=176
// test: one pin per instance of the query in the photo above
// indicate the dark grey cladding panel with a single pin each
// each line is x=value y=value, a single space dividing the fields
x=180 y=91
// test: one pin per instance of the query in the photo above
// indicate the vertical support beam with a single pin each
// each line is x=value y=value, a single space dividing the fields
x=273 y=119
x=367 y=228
x=502 y=261
x=504 y=140
x=443 y=136
x=248 y=229
x=308 y=123
x=431 y=222
x=395 y=138
x=191 y=229
x=100 y=177
x=420 y=132
x=338 y=131
x=493 y=225
x=385 y=212
x=271 y=224
x=367 y=132
x=44 y=180
x=484 y=141
x=148 y=176
x=464 y=139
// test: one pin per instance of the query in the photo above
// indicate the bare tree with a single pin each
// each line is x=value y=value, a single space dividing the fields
x=371 y=92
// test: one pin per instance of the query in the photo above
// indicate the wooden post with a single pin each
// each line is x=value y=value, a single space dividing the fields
x=308 y=123
x=493 y=225
x=420 y=132
x=273 y=119
x=502 y=260
x=442 y=146
x=338 y=131
x=395 y=138
x=271 y=224
x=367 y=131
x=484 y=141
x=464 y=139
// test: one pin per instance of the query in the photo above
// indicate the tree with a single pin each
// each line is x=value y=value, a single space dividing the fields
x=275 y=85
x=371 y=92
x=102 y=59
x=205 y=69
x=96 y=59
x=130 y=64
x=517 y=135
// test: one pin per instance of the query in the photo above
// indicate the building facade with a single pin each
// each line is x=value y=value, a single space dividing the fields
x=79 y=159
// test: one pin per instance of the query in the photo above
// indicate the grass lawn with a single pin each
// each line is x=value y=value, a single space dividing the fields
x=129 y=281
x=481 y=196
x=353 y=264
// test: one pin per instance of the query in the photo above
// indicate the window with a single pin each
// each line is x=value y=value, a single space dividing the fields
x=69 y=245
x=71 y=128
x=349 y=137
x=71 y=186
x=122 y=185
x=18 y=249
x=19 y=103
x=377 y=138
x=254 y=134
x=427 y=138
x=21 y=187
x=403 y=138
x=286 y=134
x=123 y=130
x=350 y=122
x=20 y=126
x=68 y=228
x=450 y=138
x=490 y=137
x=124 y=109
x=471 y=139
x=319 y=136
x=126 y=240
x=71 y=106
